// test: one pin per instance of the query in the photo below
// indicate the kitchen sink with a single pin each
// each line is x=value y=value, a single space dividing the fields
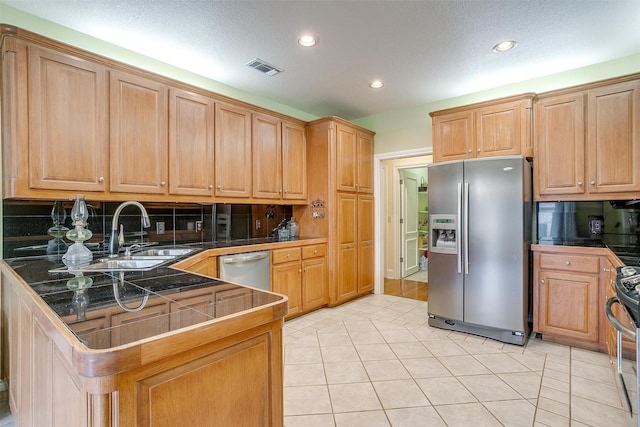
x=162 y=252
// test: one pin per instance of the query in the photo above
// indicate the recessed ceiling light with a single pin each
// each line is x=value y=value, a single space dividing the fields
x=377 y=84
x=504 y=46
x=308 y=40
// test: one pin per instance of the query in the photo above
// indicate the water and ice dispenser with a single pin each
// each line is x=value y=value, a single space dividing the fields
x=444 y=234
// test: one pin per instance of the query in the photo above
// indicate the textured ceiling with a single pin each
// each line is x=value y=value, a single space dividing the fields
x=424 y=51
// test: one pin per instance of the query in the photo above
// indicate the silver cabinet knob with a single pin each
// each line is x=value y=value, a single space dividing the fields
x=469 y=151
x=592 y=183
x=478 y=150
x=280 y=190
x=101 y=179
x=568 y=263
x=210 y=186
x=163 y=183
x=219 y=187
x=542 y=281
x=579 y=183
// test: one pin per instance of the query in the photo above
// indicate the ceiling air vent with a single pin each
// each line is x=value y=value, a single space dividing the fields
x=262 y=66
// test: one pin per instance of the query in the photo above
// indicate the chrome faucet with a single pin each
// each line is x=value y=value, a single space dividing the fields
x=114 y=243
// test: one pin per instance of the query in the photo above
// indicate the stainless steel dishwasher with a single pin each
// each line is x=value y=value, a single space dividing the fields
x=249 y=268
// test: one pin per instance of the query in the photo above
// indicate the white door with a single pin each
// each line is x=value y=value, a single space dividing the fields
x=409 y=222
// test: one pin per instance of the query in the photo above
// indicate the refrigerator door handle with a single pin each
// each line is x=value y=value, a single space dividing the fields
x=465 y=232
x=459 y=251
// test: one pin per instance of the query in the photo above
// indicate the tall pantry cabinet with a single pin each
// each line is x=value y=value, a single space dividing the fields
x=340 y=170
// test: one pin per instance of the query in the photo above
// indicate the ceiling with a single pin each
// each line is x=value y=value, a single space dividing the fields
x=423 y=51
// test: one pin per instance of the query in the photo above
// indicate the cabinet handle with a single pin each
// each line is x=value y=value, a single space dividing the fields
x=315 y=251
x=101 y=179
x=469 y=151
x=163 y=183
x=210 y=186
x=568 y=263
x=219 y=187
x=478 y=150
x=542 y=281
x=280 y=191
x=592 y=183
x=286 y=191
x=300 y=271
x=579 y=183
x=288 y=255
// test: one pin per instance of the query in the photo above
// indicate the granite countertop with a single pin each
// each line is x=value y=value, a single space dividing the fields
x=121 y=307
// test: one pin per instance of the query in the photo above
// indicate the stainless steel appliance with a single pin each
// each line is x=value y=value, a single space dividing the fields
x=249 y=268
x=480 y=224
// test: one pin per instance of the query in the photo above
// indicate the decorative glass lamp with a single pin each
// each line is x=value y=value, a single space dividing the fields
x=78 y=253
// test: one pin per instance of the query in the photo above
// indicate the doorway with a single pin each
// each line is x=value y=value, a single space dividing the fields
x=388 y=213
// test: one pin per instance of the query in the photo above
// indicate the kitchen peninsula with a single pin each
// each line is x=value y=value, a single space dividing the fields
x=158 y=347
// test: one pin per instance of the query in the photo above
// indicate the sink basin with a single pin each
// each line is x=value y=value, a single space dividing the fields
x=162 y=252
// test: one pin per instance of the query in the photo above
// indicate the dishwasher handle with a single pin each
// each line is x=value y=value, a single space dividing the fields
x=243 y=258
x=615 y=322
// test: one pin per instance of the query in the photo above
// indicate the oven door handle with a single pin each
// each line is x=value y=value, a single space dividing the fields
x=615 y=322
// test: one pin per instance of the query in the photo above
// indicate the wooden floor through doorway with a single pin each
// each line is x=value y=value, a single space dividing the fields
x=406 y=288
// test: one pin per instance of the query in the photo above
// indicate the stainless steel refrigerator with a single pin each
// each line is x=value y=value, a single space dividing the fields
x=480 y=236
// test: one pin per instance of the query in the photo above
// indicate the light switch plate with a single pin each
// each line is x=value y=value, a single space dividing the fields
x=160 y=227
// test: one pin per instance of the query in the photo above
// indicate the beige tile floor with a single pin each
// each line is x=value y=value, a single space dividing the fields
x=376 y=362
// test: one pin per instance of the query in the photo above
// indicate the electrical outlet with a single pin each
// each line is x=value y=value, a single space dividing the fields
x=198 y=226
x=160 y=227
x=258 y=224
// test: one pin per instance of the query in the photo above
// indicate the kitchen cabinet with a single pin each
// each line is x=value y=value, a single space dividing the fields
x=279 y=159
x=191 y=143
x=561 y=278
x=608 y=331
x=494 y=128
x=286 y=276
x=300 y=274
x=584 y=276
x=340 y=159
x=55 y=122
x=587 y=142
x=133 y=325
x=355 y=245
x=354 y=148
x=201 y=263
x=232 y=151
x=138 y=130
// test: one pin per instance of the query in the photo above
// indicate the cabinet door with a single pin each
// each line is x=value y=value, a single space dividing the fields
x=68 y=122
x=294 y=161
x=235 y=300
x=613 y=138
x=139 y=134
x=127 y=327
x=287 y=279
x=365 y=243
x=346 y=158
x=191 y=136
x=498 y=130
x=453 y=136
x=314 y=283
x=559 y=136
x=267 y=157
x=578 y=320
x=346 y=282
x=232 y=151
x=365 y=163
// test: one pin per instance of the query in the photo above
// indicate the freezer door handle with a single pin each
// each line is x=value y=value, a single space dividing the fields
x=465 y=232
x=238 y=259
x=459 y=251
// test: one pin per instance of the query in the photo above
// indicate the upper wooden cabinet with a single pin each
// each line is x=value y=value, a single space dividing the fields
x=232 y=151
x=279 y=159
x=139 y=123
x=587 y=142
x=191 y=138
x=76 y=122
x=354 y=149
x=500 y=127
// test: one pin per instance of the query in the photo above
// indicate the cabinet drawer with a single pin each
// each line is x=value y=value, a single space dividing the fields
x=285 y=255
x=314 y=251
x=575 y=263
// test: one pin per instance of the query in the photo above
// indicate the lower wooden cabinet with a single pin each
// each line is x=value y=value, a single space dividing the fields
x=301 y=275
x=570 y=288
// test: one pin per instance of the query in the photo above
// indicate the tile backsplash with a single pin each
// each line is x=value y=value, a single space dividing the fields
x=26 y=224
